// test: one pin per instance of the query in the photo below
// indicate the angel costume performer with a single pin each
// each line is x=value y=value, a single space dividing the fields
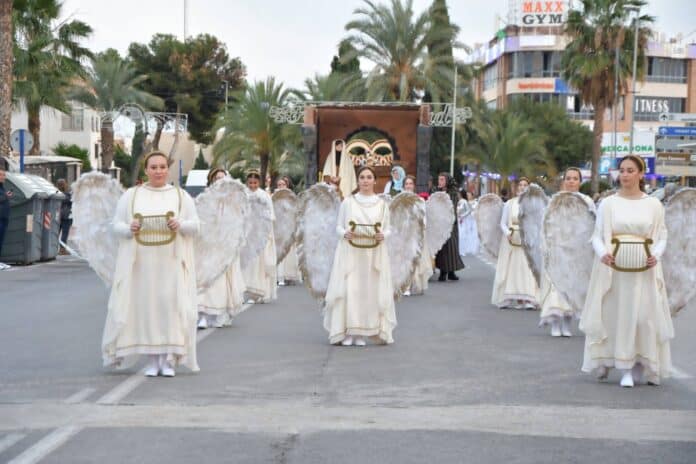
x=360 y=295
x=468 y=235
x=260 y=275
x=152 y=308
x=514 y=280
x=339 y=164
x=447 y=259
x=626 y=318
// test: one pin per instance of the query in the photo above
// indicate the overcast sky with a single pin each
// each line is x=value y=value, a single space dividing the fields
x=294 y=39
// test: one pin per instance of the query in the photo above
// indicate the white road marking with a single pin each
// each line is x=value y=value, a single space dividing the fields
x=47 y=445
x=80 y=396
x=10 y=440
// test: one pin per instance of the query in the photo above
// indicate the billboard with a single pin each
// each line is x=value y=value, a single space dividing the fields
x=542 y=13
x=643 y=144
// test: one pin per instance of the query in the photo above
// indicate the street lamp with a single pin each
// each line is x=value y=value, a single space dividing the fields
x=636 y=9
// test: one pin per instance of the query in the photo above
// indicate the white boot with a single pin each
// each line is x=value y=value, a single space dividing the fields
x=566 y=324
x=166 y=369
x=627 y=379
x=348 y=341
x=555 y=327
x=360 y=341
x=202 y=322
x=153 y=366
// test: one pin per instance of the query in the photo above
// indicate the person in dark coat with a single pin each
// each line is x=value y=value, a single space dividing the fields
x=447 y=259
x=4 y=206
x=65 y=213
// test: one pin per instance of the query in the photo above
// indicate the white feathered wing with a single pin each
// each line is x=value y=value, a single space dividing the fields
x=533 y=204
x=222 y=209
x=407 y=219
x=679 y=259
x=488 y=214
x=440 y=218
x=316 y=237
x=258 y=226
x=285 y=204
x=568 y=258
x=95 y=196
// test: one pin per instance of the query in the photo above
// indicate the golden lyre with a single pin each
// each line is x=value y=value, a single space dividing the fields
x=364 y=235
x=154 y=230
x=631 y=253
x=514 y=238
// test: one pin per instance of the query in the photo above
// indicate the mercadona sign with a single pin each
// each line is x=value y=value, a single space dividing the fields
x=643 y=143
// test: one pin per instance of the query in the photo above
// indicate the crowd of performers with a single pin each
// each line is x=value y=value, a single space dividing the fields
x=359 y=250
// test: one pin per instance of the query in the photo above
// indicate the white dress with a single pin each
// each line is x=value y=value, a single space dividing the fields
x=468 y=233
x=424 y=270
x=224 y=298
x=260 y=276
x=152 y=307
x=289 y=269
x=513 y=277
x=360 y=295
x=626 y=318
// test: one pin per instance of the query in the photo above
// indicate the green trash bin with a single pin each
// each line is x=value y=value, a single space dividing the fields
x=50 y=234
x=24 y=232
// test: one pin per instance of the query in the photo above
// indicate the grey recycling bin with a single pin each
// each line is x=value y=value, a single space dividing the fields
x=50 y=235
x=22 y=243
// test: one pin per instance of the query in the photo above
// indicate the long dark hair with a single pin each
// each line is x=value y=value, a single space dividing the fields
x=640 y=164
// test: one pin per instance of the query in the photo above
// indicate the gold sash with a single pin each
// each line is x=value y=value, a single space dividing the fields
x=631 y=253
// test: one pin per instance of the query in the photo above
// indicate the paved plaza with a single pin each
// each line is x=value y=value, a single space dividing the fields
x=464 y=383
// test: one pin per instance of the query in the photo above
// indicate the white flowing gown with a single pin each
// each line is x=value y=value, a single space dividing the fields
x=260 y=275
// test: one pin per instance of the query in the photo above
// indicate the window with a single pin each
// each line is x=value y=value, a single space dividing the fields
x=490 y=77
x=535 y=64
x=668 y=70
x=74 y=122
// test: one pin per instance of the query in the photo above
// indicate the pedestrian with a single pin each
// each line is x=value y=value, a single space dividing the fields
x=447 y=259
x=626 y=317
x=5 y=196
x=152 y=308
x=65 y=214
x=360 y=294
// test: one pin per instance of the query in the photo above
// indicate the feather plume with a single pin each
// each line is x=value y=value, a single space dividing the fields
x=407 y=218
x=533 y=204
x=285 y=205
x=679 y=260
x=316 y=237
x=440 y=219
x=488 y=213
x=258 y=226
x=568 y=258
x=222 y=209
x=95 y=196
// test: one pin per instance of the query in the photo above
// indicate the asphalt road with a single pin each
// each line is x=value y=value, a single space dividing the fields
x=464 y=383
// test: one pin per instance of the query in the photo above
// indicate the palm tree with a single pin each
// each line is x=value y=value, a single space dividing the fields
x=509 y=145
x=48 y=58
x=397 y=42
x=249 y=131
x=588 y=62
x=110 y=83
x=5 y=75
x=338 y=87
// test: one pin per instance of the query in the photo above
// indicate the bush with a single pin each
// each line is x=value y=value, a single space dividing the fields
x=74 y=151
x=586 y=187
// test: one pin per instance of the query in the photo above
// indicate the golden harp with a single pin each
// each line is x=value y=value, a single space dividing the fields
x=364 y=235
x=631 y=253
x=154 y=230
x=514 y=238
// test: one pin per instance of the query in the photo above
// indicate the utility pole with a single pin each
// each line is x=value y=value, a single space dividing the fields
x=454 y=121
x=185 y=20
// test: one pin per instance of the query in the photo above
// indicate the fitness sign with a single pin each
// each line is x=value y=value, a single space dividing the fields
x=543 y=13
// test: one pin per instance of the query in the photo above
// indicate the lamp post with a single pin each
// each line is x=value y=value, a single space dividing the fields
x=635 y=69
x=454 y=120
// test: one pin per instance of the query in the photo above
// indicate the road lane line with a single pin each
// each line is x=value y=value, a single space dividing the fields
x=10 y=440
x=80 y=396
x=47 y=445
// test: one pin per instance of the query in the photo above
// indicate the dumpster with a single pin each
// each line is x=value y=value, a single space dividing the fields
x=24 y=232
x=50 y=236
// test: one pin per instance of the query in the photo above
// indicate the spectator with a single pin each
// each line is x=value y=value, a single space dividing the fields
x=65 y=214
x=4 y=210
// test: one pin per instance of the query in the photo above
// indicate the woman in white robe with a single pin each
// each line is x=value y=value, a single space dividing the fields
x=360 y=294
x=555 y=310
x=288 y=269
x=626 y=318
x=224 y=298
x=152 y=308
x=424 y=270
x=260 y=275
x=514 y=285
x=468 y=234
x=339 y=168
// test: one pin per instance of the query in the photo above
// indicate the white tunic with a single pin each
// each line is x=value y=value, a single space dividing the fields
x=513 y=277
x=626 y=318
x=424 y=269
x=152 y=307
x=225 y=296
x=360 y=296
x=260 y=275
x=289 y=269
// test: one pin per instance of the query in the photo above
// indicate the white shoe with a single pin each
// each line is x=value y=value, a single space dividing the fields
x=4 y=266
x=407 y=293
x=555 y=328
x=360 y=341
x=250 y=301
x=203 y=322
x=152 y=368
x=529 y=306
x=627 y=380
x=281 y=283
x=167 y=370
x=216 y=322
x=348 y=341
x=565 y=327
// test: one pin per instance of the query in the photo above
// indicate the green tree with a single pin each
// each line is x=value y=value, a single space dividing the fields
x=346 y=62
x=74 y=151
x=251 y=136
x=333 y=87
x=200 y=162
x=189 y=76
x=397 y=42
x=48 y=58
x=6 y=64
x=588 y=63
x=110 y=83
